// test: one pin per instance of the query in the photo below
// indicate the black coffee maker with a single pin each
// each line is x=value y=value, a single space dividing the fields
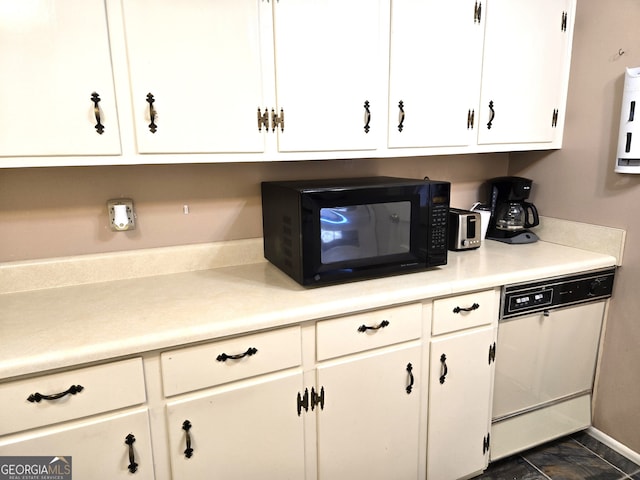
x=511 y=215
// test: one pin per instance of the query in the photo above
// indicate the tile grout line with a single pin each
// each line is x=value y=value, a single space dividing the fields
x=625 y=474
x=536 y=468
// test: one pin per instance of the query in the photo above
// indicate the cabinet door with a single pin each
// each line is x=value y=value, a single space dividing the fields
x=460 y=385
x=526 y=53
x=55 y=55
x=368 y=427
x=436 y=62
x=96 y=449
x=202 y=63
x=248 y=431
x=329 y=74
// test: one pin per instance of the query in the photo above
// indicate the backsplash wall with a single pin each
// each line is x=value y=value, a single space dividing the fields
x=52 y=212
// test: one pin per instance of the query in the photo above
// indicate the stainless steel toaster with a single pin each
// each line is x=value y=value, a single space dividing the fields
x=464 y=229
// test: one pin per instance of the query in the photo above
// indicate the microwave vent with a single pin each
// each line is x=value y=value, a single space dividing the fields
x=286 y=240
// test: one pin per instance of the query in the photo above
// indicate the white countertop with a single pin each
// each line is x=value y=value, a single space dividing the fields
x=60 y=327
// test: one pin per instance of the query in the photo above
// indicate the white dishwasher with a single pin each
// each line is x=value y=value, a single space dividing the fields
x=547 y=349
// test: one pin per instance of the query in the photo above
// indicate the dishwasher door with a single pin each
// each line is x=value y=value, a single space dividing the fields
x=545 y=368
x=541 y=358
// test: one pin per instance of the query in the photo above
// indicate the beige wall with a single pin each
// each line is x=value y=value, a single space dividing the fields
x=51 y=212
x=578 y=183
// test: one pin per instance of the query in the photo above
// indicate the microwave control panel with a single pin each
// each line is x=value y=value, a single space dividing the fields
x=438 y=230
x=438 y=222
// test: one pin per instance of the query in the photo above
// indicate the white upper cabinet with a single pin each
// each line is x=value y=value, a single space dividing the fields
x=55 y=57
x=436 y=63
x=263 y=80
x=330 y=74
x=196 y=72
x=525 y=71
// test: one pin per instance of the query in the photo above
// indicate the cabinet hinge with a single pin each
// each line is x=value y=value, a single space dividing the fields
x=477 y=12
x=492 y=353
x=277 y=120
x=563 y=23
x=554 y=117
x=317 y=398
x=263 y=119
x=303 y=401
x=486 y=444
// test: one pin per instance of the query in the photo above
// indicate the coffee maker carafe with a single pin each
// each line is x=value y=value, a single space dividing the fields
x=511 y=214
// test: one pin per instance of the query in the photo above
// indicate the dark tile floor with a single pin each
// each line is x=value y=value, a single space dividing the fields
x=576 y=457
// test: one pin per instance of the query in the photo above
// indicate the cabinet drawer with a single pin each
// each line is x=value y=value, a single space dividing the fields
x=464 y=311
x=104 y=387
x=364 y=331
x=201 y=366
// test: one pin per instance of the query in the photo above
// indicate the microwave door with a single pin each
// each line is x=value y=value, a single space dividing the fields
x=347 y=233
x=393 y=227
x=365 y=231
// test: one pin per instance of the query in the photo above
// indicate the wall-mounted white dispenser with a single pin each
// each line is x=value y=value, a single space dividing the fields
x=628 y=157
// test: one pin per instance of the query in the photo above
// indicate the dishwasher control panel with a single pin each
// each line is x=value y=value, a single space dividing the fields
x=525 y=300
x=556 y=292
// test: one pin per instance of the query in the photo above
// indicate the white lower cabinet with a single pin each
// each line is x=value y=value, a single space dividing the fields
x=461 y=372
x=106 y=448
x=353 y=414
x=249 y=430
x=233 y=407
x=345 y=397
x=92 y=417
x=368 y=422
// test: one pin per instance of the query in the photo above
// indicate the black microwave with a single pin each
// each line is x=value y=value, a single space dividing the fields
x=328 y=231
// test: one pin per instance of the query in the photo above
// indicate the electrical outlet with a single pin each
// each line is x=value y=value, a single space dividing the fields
x=121 y=214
